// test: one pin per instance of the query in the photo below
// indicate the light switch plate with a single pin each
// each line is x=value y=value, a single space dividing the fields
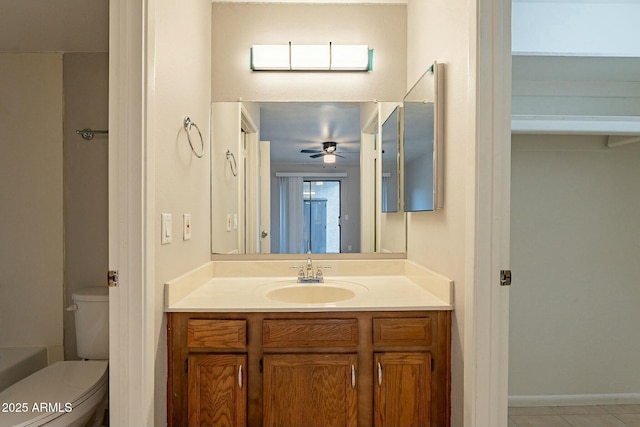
x=166 y=229
x=228 y=222
x=186 y=227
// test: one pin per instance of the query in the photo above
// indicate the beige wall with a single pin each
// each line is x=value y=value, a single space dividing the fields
x=575 y=243
x=181 y=40
x=382 y=27
x=86 y=233
x=440 y=31
x=31 y=248
x=225 y=186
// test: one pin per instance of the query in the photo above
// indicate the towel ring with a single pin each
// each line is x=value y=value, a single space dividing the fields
x=234 y=165
x=187 y=127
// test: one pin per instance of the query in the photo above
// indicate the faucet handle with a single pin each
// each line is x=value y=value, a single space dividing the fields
x=300 y=270
x=319 y=274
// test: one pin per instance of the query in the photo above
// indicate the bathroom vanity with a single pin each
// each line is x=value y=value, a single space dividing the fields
x=370 y=360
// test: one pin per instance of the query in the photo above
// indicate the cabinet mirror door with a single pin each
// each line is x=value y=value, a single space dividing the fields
x=422 y=142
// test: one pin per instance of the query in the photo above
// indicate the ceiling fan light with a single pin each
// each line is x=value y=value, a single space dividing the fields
x=329 y=158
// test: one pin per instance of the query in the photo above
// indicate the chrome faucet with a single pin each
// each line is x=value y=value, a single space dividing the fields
x=309 y=274
x=305 y=273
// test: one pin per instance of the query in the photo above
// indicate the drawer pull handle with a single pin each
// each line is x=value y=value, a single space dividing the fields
x=240 y=376
x=353 y=376
x=379 y=375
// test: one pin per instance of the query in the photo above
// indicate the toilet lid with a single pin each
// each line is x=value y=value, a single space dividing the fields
x=51 y=392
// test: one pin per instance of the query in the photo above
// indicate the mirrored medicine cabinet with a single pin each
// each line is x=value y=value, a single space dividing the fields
x=422 y=143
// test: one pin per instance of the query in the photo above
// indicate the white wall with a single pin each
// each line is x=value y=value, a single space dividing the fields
x=569 y=85
x=575 y=243
x=31 y=194
x=597 y=28
x=225 y=186
x=382 y=27
x=86 y=234
x=442 y=31
x=181 y=87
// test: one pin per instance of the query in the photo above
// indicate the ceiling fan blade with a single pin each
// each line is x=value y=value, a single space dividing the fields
x=338 y=155
x=317 y=155
x=311 y=151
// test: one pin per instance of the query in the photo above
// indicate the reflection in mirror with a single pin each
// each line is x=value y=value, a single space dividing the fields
x=390 y=149
x=422 y=143
x=306 y=172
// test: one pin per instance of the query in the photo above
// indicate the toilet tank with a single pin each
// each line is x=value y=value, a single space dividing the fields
x=92 y=322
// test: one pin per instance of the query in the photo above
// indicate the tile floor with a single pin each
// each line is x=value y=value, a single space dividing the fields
x=575 y=416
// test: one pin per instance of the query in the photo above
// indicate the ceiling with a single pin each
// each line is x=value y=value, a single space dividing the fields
x=295 y=126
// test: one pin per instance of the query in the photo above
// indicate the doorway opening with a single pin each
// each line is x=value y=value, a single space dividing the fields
x=321 y=230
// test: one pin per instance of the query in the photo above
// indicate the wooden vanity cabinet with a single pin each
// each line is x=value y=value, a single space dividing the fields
x=309 y=369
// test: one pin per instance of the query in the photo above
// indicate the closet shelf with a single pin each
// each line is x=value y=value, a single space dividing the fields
x=575 y=124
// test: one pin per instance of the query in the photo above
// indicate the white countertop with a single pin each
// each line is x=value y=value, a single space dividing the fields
x=249 y=294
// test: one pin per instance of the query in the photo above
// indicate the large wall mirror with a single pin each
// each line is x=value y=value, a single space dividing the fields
x=423 y=142
x=289 y=177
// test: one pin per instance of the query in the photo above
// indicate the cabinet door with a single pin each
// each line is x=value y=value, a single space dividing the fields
x=310 y=390
x=402 y=389
x=217 y=390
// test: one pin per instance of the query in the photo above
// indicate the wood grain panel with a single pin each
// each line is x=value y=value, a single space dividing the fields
x=402 y=390
x=216 y=398
x=310 y=390
x=310 y=333
x=212 y=333
x=402 y=331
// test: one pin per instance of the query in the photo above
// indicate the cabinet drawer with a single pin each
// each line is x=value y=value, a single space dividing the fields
x=310 y=333
x=402 y=331
x=207 y=333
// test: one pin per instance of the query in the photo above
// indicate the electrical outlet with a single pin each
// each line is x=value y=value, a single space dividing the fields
x=235 y=221
x=186 y=227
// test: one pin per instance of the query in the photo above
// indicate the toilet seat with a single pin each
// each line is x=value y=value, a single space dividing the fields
x=52 y=392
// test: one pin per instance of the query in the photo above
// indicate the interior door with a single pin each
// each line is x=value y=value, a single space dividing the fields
x=265 y=197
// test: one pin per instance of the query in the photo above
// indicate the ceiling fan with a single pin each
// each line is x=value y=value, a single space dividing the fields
x=328 y=152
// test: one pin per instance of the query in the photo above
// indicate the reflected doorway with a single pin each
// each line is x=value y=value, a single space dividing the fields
x=321 y=229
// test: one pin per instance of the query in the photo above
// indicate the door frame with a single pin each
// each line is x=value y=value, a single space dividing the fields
x=486 y=324
x=131 y=211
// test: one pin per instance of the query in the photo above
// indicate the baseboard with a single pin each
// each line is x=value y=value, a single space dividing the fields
x=576 y=399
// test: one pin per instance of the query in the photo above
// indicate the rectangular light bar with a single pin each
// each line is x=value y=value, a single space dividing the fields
x=270 y=57
x=329 y=57
x=310 y=57
x=350 y=57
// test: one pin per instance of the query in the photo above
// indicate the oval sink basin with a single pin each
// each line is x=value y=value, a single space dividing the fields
x=310 y=294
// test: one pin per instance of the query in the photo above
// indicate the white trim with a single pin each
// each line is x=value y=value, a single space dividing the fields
x=576 y=399
x=486 y=302
x=131 y=327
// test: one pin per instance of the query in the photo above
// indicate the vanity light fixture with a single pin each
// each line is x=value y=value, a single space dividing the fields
x=329 y=158
x=327 y=57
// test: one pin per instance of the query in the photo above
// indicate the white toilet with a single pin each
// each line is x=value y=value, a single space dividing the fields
x=71 y=393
